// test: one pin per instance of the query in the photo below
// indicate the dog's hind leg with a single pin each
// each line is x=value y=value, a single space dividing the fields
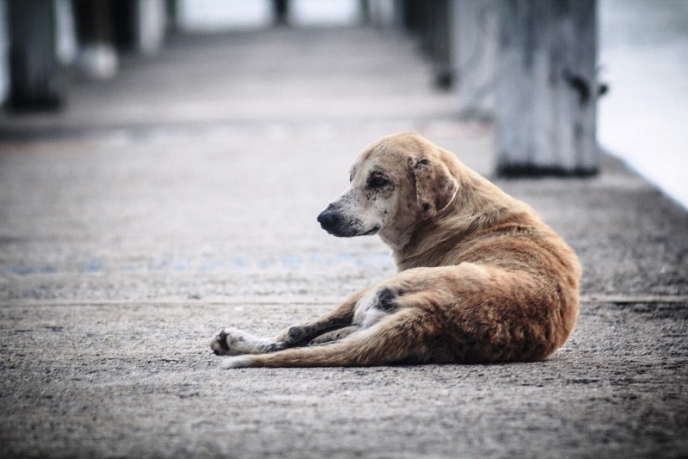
x=334 y=335
x=403 y=337
x=232 y=341
x=340 y=317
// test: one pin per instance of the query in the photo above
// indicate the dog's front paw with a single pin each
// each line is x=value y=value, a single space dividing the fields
x=219 y=344
x=232 y=341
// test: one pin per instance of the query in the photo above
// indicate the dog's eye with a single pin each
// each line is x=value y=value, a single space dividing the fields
x=378 y=181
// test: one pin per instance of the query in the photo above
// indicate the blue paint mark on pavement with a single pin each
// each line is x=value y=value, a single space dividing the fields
x=21 y=270
x=91 y=267
x=291 y=261
x=181 y=265
x=239 y=262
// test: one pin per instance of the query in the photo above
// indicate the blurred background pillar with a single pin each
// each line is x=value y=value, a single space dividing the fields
x=97 y=58
x=474 y=44
x=4 y=53
x=35 y=82
x=547 y=88
x=139 y=25
x=67 y=46
x=431 y=21
x=280 y=10
x=383 y=14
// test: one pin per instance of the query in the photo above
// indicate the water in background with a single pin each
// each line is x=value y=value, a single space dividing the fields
x=212 y=15
x=644 y=118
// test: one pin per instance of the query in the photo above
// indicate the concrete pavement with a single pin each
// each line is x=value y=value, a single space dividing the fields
x=182 y=197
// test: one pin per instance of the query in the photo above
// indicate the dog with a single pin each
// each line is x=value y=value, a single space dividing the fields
x=481 y=279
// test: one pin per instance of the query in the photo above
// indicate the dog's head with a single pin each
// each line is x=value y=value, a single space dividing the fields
x=394 y=183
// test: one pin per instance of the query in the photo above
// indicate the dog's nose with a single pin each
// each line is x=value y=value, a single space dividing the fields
x=328 y=219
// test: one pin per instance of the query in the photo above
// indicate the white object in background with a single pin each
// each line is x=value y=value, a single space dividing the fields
x=644 y=118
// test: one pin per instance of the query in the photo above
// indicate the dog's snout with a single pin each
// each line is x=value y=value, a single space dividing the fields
x=328 y=219
x=338 y=222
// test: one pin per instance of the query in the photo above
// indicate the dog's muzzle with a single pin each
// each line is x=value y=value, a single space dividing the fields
x=337 y=223
x=331 y=221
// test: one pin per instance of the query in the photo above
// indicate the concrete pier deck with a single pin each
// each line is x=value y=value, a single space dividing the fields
x=181 y=197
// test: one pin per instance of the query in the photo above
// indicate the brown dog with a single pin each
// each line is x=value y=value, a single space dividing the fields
x=481 y=278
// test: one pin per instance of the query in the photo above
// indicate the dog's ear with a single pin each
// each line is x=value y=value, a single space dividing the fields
x=435 y=187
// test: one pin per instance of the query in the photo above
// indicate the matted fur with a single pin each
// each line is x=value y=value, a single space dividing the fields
x=480 y=277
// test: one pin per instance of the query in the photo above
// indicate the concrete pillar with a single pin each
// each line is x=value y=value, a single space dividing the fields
x=98 y=57
x=546 y=87
x=139 y=25
x=171 y=12
x=67 y=46
x=439 y=35
x=4 y=54
x=35 y=82
x=280 y=10
x=430 y=19
x=385 y=14
x=151 y=25
x=475 y=41
x=415 y=15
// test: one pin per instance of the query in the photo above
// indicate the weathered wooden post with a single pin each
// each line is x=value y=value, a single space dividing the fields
x=35 y=81
x=4 y=54
x=383 y=14
x=139 y=25
x=280 y=10
x=439 y=39
x=474 y=42
x=430 y=19
x=415 y=12
x=546 y=88
x=98 y=57
x=152 y=23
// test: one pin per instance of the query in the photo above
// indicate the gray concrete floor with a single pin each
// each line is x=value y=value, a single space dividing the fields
x=182 y=197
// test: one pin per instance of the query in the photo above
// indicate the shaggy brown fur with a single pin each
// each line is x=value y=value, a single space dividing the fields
x=481 y=278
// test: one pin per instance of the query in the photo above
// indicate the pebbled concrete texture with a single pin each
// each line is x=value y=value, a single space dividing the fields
x=182 y=197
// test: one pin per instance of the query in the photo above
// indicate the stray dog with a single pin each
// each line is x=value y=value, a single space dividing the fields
x=480 y=277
